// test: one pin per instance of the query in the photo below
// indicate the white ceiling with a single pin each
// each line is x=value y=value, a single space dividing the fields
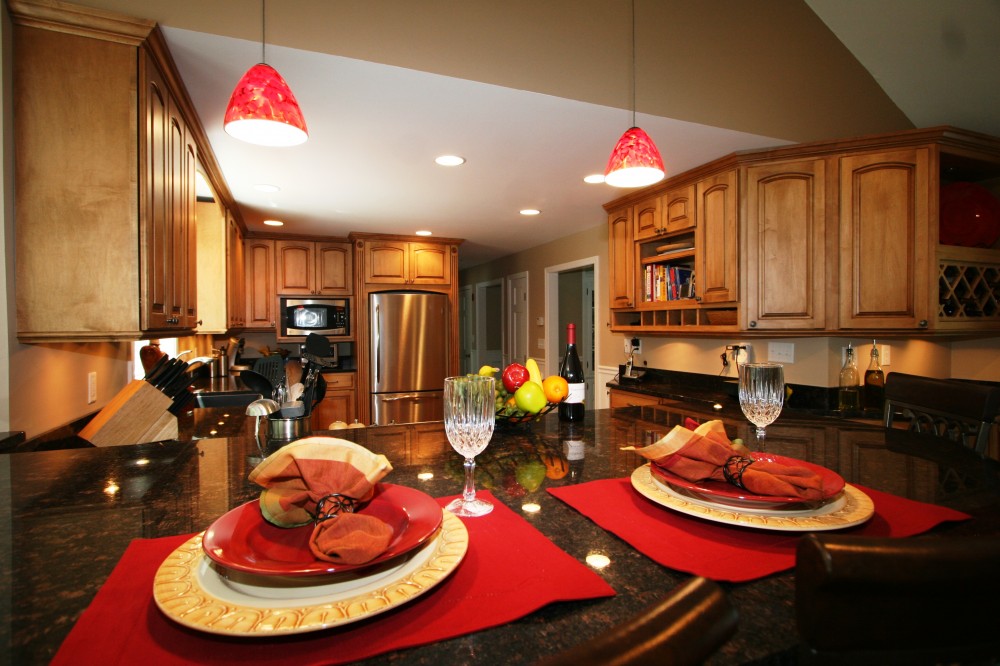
x=375 y=129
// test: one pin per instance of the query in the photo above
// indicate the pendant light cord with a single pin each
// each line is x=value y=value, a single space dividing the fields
x=263 y=30
x=633 y=63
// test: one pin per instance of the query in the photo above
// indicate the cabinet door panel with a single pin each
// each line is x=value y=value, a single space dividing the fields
x=678 y=209
x=294 y=267
x=785 y=247
x=621 y=256
x=260 y=295
x=333 y=268
x=429 y=264
x=647 y=220
x=156 y=249
x=885 y=250
x=716 y=260
x=386 y=262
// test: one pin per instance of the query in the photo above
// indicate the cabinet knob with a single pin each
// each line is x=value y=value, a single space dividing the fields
x=753 y=324
x=922 y=323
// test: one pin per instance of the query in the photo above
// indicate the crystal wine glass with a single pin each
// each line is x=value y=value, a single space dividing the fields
x=469 y=404
x=762 y=393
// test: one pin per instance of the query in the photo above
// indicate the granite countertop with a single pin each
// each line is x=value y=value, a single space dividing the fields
x=59 y=503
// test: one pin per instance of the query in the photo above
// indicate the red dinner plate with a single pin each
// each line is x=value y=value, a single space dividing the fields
x=243 y=540
x=721 y=491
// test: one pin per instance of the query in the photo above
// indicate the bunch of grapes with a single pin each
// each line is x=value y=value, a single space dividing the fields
x=505 y=405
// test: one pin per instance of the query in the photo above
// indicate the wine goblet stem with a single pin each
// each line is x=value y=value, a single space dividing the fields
x=469 y=493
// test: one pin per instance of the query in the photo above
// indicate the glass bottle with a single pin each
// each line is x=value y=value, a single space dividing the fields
x=874 y=383
x=571 y=409
x=849 y=395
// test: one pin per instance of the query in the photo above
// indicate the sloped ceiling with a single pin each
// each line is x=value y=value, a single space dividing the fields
x=535 y=94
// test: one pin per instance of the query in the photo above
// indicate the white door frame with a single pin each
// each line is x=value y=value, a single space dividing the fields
x=552 y=336
x=511 y=353
x=480 y=334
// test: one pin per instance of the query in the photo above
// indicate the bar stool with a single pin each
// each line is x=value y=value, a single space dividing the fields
x=683 y=629
x=924 y=600
x=960 y=411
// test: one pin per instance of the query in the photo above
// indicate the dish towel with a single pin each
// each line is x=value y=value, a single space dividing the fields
x=324 y=480
x=725 y=552
x=705 y=453
x=491 y=586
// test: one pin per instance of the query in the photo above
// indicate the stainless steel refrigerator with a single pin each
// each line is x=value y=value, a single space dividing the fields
x=409 y=356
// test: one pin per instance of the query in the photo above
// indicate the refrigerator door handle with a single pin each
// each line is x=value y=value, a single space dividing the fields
x=402 y=396
x=378 y=346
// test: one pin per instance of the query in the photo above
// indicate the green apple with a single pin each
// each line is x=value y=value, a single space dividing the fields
x=530 y=397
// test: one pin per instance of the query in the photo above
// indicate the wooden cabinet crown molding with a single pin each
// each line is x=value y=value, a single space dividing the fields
x=83 y=21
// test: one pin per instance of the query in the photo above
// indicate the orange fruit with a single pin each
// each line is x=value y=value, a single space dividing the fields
x=555 y=388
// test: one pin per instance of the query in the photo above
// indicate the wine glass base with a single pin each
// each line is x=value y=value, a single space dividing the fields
x=469 y=508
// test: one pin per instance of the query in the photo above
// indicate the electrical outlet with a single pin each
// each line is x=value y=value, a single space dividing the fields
x=636 y=345
x=781 y=352
x=91 y=388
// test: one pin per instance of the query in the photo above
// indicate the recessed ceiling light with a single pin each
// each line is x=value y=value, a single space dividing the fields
x=594 y=178
x=274 y=223
x=530 y=211
x=423 y=232
x=450 y=160
x=264 y=187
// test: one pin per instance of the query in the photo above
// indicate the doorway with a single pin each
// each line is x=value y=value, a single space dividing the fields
x=569 y=298
x=489 y=341
x=466 y=329
x=517 y=319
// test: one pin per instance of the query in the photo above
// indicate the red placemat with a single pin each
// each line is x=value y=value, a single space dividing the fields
x=725 y=552
x=509 y=571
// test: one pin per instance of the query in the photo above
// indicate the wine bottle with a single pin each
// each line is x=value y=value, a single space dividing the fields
x=571 y=409
x=849 y=394
x=874 y=383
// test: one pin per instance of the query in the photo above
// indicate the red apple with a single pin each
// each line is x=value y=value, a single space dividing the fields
x=514 y=375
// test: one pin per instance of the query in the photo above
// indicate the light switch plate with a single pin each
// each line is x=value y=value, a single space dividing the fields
x=91 y=388
x=781 y=352
x=541 y=343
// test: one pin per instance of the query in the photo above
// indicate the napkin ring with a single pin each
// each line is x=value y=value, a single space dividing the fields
x=333 y=505
x=734 y=468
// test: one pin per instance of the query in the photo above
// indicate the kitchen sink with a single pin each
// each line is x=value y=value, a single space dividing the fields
x=224 y=398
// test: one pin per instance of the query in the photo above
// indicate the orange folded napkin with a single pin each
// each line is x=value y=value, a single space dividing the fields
x=706 y=454
x=324 y=480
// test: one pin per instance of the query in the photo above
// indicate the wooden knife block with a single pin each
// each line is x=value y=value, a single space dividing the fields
x=138 y=414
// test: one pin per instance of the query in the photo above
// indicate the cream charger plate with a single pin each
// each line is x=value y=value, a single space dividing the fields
x=852 y=508
x=195 y=592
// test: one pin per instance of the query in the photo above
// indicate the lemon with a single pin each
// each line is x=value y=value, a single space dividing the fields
x=488 y=371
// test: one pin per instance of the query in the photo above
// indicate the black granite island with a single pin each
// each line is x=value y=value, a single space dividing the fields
x=68 y=516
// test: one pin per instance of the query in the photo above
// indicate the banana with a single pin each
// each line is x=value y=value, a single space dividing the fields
x=488 y=371
x=533 y=372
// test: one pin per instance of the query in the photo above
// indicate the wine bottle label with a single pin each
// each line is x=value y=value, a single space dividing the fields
x=576 y=393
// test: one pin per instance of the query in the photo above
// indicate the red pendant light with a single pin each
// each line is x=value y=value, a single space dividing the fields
x=262 y=109
x=635 y=160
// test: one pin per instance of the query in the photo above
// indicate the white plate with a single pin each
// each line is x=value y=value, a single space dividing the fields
x=195 y=592
x=852 y=508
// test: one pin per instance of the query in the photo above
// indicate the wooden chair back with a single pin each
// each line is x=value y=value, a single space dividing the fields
x=961 y=411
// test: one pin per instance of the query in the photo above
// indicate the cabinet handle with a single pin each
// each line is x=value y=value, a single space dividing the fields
x=173 y=320
x=922 y=323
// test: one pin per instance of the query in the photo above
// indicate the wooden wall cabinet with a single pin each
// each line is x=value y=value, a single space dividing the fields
x=339 y=403
x=621 y=253
x=236 y=304
x=784 y=265
x=885 y=244
x=716 y=268
x=107 y=147
x=828 y=237
x=404 y=262
x=261 y=296
x=308 y=268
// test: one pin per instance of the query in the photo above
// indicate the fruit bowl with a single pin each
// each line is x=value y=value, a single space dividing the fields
x=518 y=416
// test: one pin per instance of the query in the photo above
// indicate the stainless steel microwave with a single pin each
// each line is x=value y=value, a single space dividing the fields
x=323 y=316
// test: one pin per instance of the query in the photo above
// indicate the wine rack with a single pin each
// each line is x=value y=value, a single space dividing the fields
x=968 y=291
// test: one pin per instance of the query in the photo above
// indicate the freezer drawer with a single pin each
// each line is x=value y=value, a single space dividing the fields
x=408 y=407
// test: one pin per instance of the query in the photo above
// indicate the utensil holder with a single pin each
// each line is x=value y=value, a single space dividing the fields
x=288 y=429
